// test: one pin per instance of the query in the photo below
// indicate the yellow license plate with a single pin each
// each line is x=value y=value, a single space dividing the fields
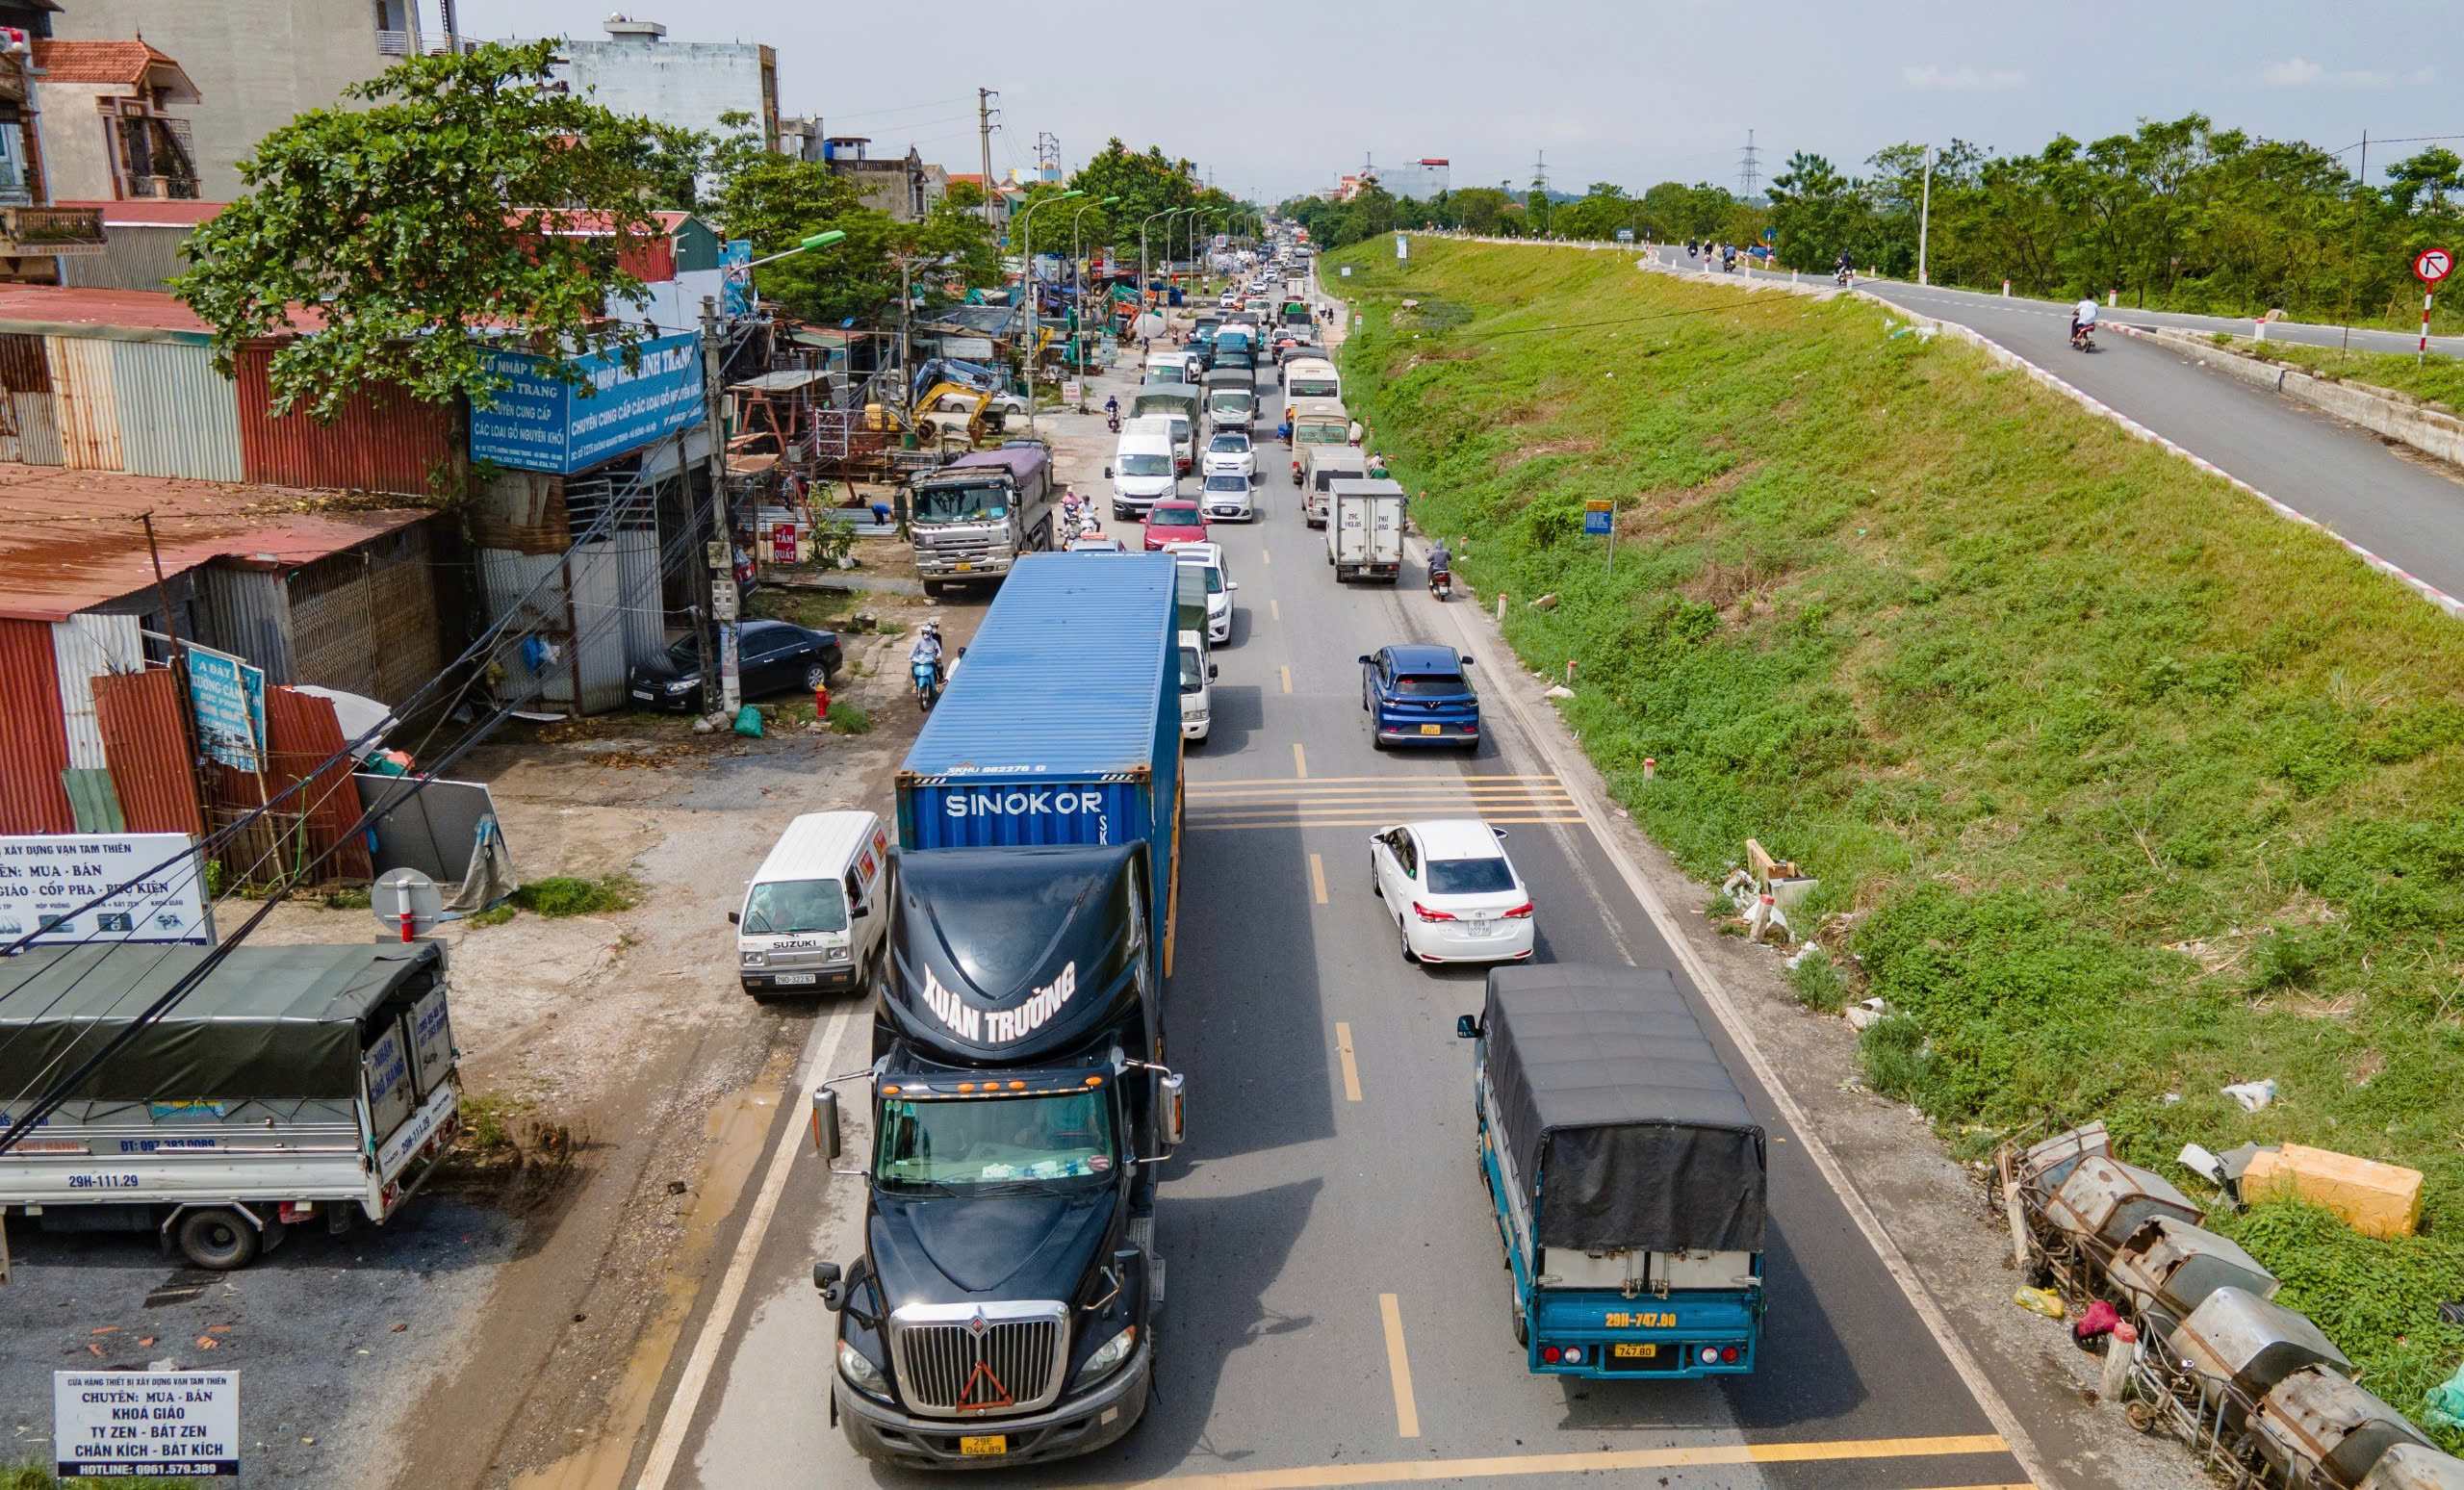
x=964 y=568
x=976 y=1448
x=1636 y=1352
x=1429 y=729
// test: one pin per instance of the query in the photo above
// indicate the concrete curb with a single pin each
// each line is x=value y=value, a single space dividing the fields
x=2002 y=356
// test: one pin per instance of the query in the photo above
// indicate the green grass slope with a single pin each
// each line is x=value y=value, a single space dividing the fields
x=2140 y=790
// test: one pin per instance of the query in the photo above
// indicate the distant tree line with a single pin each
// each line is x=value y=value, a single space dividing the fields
x=2179 y=215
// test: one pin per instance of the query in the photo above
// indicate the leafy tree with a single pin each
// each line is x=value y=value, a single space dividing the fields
x=1674 y=211
x=1817 y=213
x=428 y=227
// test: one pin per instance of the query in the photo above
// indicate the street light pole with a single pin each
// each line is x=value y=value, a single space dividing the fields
x=1924 y=214
x=1077 y=273
x=1027 y=249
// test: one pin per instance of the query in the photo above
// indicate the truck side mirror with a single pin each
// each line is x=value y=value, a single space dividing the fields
x=1212 y=670
x=1467 y=1026
x=1171 y=1093
x=825 y=1124
x=858 y=913
x=1108 y=473
x=826 y=1277
x=734 y=919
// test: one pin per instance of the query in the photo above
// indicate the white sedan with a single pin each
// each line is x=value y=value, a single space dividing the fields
x=1452 y=890
x=1231 y=453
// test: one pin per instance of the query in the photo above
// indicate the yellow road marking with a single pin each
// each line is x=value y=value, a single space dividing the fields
x=1276 y=611
x=1351 y=1070
x=1407 y=1415
x=1287 y=671
x=1318 y=878
x=1310 y=1478
x=1299 y=762
x=1264 y=557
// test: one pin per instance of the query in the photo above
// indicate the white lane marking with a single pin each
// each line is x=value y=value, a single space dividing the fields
x=1568 y=764
x=719 y=1324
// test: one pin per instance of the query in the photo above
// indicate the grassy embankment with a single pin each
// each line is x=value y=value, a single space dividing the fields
x=2142 y=790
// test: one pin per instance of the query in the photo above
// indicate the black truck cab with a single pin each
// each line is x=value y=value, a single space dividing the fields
x=1002 y=1308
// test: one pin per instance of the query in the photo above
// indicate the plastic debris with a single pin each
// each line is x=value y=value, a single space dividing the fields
x=2253 y=1094
x=2442 y=1405
x=2099 y=1319
x=1546 y=602
x=1868 y=1015
x=2199 y=1161
x=1560 y=691
x=748 y=721
x=2040 y=1300
x=2173 y=1097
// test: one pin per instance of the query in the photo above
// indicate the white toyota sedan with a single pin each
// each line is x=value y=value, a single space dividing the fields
x=1452 y=890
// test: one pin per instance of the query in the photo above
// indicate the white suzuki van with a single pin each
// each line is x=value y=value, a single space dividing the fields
x=815 y=914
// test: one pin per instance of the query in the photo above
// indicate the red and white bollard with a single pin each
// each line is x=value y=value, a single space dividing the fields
x=2005 y=288
x=1651 y=768
x=2121 y=1349
x=1570 y=672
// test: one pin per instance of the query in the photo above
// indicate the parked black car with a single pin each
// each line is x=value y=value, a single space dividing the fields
x=772 y=656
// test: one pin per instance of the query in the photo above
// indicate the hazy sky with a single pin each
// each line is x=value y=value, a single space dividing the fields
x=1278 y=97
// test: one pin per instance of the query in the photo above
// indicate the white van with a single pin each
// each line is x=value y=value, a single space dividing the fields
x=816 y=912
x=1175 y=363
x=1143 y=469
x=1197 y=688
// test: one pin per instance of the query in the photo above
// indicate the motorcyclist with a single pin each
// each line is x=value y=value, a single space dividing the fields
x=1441 y=563
x=1728 y=258
x=2083 y=317
x=927 y=651
x=1841 y=268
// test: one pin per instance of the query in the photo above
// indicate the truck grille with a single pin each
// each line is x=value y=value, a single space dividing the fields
x=958 y=1360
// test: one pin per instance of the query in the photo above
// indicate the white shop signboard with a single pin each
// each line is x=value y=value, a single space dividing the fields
x=157 y=889
x=149 y=1424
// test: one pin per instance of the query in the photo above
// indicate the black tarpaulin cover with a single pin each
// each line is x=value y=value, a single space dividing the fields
x=1625 y=1128
x=269 y=1022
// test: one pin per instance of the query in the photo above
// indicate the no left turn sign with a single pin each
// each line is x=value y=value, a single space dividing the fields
x=2433 y=266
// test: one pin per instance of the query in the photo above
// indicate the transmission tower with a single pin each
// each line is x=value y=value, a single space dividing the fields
x=1750 y=169
x=1047 y=155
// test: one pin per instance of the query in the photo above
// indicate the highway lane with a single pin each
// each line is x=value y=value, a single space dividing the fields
x=1337 y=1310
x=2407 y=511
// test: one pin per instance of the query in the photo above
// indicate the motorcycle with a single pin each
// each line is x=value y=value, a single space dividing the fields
x=928 y=684
x=1441 y=584
x=2083 y=337
x=1112 y=421
x=1842 y=276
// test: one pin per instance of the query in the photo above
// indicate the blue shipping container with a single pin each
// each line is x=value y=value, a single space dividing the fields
x=1065 y=724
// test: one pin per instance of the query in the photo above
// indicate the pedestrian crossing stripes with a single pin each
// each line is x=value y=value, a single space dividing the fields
x=1377 y=801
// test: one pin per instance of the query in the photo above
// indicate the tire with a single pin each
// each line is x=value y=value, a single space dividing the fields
x=1521 y=1325
x=1376 y=886
x=816 y=676
x=1403 y=939
x=933 y=588
x=216 y=1239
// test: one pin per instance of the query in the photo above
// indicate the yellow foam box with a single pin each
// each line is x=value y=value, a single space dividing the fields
x=2375 y=1200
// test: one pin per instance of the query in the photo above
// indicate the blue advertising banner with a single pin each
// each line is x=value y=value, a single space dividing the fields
x=735 y=261
x=230 y=700
x=540 y=423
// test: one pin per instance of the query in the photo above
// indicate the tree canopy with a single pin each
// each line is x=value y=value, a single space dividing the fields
x=425 y=228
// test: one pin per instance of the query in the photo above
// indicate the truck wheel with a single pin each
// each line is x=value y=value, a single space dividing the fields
x=1521 y=1326
x=217 y=1240
x=933 y=588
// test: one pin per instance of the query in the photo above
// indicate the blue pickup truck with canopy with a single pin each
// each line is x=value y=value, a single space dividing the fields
x=1628 y=1174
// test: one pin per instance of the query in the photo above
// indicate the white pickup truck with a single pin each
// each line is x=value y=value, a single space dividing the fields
x=1365 y=529
x=289 y=1083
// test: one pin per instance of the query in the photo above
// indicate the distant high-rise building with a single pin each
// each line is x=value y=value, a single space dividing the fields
x=1421 y=180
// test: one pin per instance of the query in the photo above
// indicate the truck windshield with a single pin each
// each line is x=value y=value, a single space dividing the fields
x=1321 y=434
x=784 y=907
x=975 y=503
x=961 y=1141
x=1147 y=464
x=1233 y=403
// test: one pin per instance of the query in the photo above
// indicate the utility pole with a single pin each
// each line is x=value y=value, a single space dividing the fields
x=1540 y=188
x=1047 y=155
x=1924 y=214
x=2353 y=252
x=1750 y=172
x=984 y=114
x=719 y=554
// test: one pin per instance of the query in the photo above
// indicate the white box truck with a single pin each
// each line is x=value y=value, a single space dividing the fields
x=1365 y=529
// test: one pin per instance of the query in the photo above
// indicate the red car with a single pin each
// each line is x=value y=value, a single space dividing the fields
x=1171 y=520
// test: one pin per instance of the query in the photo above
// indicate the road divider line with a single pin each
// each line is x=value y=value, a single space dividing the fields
x=1351 y=1078
x=1264 y=557
x=1311 y=1477
x=1222 y=825
x=1392 y=779
x=1408 y=1413
x=1285 y=670
x=1276 y=609
x=1299 y=762
x=1318 y=878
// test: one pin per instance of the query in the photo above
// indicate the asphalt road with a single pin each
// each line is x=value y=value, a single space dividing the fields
x=1314 y=1185
x=2408 y=511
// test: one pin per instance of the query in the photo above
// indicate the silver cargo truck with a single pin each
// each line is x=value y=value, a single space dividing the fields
x=290 y=1084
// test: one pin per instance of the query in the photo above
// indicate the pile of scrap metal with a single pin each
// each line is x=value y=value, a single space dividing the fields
x=2256 y=1389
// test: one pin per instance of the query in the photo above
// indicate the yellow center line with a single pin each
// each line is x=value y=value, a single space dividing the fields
x=1407 y=1415
x=1343 y=1049
x=1299 y=762
x=1286 y=674
x=1264 y=557
x=1313 y=1477
x=1318 y=878
x=1276 y=611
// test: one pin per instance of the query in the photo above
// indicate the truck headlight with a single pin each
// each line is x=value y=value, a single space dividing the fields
x=861 y=1373
x=1103 y=1363
x=838 y=953
x=756 y=958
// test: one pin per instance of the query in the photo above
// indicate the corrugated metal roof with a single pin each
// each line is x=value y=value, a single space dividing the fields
x=177 y=416
x=146 y=745
x=33 y=747
x=153 y=212
x=383 y=440
x=70 y=539
x=1065 y=675
x=125 y=314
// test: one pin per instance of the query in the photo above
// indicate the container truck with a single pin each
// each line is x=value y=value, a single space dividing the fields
x=1002 y=1308
x=290 y=1084
x=972 y=518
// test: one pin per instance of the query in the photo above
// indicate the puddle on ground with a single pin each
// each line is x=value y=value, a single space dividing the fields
x=737 y=1124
